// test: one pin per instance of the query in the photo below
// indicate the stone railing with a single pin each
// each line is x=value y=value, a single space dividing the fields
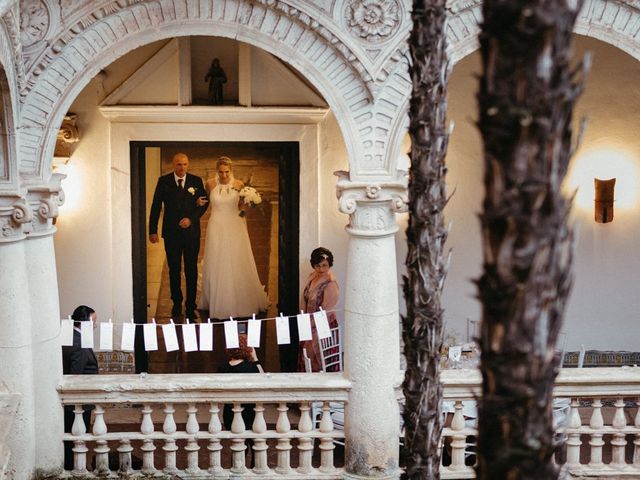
x=596 y=415
x=8 y=406
x=168 y=425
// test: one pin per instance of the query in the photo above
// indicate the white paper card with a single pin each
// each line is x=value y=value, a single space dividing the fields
x=189 y=337
x=206 y=337
x=66 y=332
x=455 y=353
x=253 y=335
x=86 y=334
x=106 y=336
x=231 y=334
x=150 y=337
x=282 y=330
x=304 y=326
x=322 y=324
x=170 y=337
x=128 y=336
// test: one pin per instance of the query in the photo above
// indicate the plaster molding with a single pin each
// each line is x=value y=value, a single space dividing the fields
x=11 y=23
x=372 y=206
x=373 y=20
x=207 y=114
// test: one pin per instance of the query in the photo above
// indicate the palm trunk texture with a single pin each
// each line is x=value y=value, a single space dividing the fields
x=426 y=236
x=526 y=99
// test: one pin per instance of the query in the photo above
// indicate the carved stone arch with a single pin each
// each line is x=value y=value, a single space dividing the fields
x=612 y=21
x=9 y=99
x=77 y=52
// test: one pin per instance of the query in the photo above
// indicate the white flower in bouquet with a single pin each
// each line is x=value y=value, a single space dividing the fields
x=250 y=196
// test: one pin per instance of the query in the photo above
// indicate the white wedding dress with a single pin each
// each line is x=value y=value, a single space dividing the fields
x=230 y=283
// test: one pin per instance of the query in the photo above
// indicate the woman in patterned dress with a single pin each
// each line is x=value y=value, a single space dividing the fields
x=321 y=291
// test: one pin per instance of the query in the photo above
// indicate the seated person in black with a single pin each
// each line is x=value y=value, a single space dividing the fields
x=240 y=360
x=78 y=361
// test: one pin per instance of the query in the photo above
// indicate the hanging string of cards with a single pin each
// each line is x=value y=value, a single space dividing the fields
x=192 y=342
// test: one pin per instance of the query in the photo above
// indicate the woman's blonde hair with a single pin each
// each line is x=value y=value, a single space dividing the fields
x=224 y=161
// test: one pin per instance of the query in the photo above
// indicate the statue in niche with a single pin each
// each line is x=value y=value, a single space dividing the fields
x=216 y=78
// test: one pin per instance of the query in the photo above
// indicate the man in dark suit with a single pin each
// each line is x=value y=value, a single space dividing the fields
x=178 y=192
x=78 y=361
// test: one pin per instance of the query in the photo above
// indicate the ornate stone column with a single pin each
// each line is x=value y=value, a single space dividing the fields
x=16 y=371
x=45 y=316
x=372 y=338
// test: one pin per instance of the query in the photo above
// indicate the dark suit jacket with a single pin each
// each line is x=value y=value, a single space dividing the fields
x=178 y=204
x=77 y=360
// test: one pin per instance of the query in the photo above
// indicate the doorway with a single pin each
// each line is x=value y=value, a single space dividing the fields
x=270 y=167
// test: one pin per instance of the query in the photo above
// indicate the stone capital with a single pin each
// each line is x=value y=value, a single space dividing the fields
x=15 y=218
x=44 y=201
x=372 y=205
x=31 y=214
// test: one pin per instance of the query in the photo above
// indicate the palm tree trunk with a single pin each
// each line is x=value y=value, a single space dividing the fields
x=426 y=236
x=526 y=99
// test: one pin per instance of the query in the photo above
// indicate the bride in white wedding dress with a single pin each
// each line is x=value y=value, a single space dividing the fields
x=230 y=283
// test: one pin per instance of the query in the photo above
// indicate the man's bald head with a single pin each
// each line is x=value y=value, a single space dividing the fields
x=180 y=164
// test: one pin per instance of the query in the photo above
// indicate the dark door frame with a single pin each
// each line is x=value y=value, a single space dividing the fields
x=288 y=239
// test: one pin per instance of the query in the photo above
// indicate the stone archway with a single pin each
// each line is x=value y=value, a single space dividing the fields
x=61 y=57
x=612 y=21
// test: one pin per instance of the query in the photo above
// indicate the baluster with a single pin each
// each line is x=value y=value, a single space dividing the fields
x=169 y=447
x=596 y=423
x=458 y=441
x=124 y=454
x=573 y=438
x=146 y=428
x=102 y=449
x=284 y=443
x=305 y=444
x=214 y=447
x=636 y=441
x=618 y=442
x=79 y=448
x=326 y=443
x=260 y=465
x=238 y=446
x=192 y=445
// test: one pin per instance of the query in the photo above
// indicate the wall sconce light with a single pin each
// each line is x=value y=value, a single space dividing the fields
x=604 y=199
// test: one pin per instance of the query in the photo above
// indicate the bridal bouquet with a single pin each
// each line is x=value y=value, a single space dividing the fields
x=251 y=197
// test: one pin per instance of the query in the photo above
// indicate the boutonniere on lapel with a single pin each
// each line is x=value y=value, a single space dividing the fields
x=191 y=190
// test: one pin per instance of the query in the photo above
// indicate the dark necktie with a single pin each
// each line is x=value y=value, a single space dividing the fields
x=179 y=183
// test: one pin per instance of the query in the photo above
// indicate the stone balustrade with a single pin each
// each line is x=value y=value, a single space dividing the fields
x=180 y=416
x=596 y=415
x=160 y=439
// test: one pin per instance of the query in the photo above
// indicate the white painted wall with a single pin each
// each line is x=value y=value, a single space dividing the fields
x=83 y=239
x=604 y=308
